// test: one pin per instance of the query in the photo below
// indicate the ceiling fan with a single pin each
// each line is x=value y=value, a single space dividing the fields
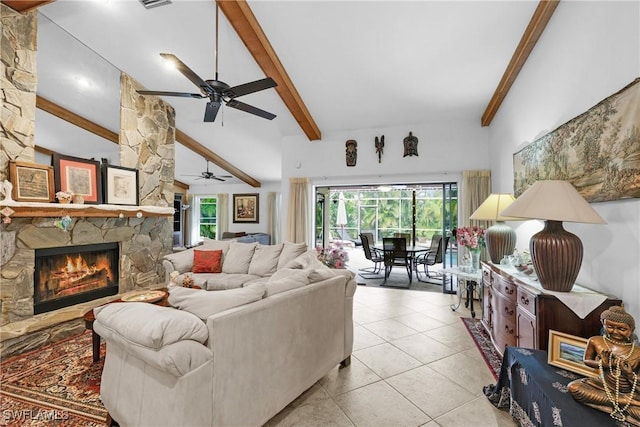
x=216 y=90
x=210 y=175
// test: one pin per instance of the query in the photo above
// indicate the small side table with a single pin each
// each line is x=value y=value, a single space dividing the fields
x=468 y=281
x=89 y=317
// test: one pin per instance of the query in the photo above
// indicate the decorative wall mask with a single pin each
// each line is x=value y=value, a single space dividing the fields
x=352 y=152
x=410 y=145
x=380 y=147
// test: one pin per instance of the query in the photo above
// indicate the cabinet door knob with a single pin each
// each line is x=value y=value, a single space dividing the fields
x=508 y=290
x=524 y=300
x=509 y=312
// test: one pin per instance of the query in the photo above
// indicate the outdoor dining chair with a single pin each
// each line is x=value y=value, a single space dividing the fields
x=434 y=256
x=372 y=254
x=395 y=254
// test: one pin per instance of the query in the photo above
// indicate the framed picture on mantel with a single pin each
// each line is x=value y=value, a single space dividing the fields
x=78 y=176
x=31 y=182
x=120 y=185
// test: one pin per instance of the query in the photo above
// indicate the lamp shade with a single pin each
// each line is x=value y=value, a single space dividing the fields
x=554 y=200
x=500 y=238
x=556 y=253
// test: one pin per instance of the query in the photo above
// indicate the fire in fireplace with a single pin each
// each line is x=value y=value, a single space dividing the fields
x=71 y=275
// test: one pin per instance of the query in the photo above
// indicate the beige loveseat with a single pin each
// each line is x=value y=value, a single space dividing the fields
x=233 y=357
x=242 y=263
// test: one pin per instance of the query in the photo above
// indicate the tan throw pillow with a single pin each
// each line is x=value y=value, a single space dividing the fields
x=286 y=279
x=205 y=303
x=182 y=261
x=265 y=260
x=291 y=251
x=238 y=259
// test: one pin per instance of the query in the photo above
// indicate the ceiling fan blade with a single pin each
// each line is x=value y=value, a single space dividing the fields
x=219 y=179
x=250 y=109
x=163 y=93
x=211 y=111
x=187 y=72
x=247 y=88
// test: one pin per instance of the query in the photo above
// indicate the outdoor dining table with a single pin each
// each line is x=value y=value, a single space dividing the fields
x=412 y=251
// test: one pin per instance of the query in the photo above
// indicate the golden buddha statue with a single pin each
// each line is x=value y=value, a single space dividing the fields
x=617 y=358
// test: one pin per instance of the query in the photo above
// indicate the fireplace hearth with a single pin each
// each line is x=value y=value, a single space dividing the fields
x=70 y=275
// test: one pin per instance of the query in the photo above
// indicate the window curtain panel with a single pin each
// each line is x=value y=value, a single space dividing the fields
x=298 y=210
x=273 y=216
x=192 y=221
x=222 y=214
x=476 y=187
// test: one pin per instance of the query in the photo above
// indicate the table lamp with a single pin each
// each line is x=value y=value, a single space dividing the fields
x=500 y=238
x=556 y=253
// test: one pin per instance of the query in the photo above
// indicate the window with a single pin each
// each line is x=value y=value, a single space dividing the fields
x=207 y=208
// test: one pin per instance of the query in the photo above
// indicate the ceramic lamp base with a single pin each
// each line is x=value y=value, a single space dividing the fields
x=556 y=256
x=501 y=241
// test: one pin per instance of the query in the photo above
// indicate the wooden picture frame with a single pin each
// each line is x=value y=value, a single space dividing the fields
x=78 y=176
x=567 y=351
x=246 y=208
x=120 y=185
x=31 y=182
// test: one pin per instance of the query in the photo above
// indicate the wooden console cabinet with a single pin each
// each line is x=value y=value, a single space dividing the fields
x=516 y=313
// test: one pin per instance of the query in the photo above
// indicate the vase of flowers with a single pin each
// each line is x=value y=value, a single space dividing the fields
x=473 y=238
x=333 y=256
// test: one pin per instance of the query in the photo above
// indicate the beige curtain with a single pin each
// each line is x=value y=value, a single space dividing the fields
x=191 y=221
x=298 y=207
x=273 y=216
x=476 y=187
x=222 y=211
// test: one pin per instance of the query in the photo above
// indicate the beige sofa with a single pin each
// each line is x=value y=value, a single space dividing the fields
x=227 y=358
x=242 y=263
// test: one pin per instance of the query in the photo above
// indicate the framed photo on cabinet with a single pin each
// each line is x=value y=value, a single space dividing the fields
x=567 y=351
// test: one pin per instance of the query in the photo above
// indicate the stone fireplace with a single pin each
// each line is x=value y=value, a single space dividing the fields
x=70 y=275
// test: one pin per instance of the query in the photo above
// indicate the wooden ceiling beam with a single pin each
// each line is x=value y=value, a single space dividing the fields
x=243 y=21
x=198 y=148
x=25 y=5
x=532 y=33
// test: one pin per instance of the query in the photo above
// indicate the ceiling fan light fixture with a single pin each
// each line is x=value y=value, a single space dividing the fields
x=149 y=4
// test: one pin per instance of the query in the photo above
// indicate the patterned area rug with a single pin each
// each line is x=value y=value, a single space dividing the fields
x=55 y=385
x=484 y=344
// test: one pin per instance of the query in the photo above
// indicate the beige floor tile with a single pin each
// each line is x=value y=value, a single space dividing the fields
x=445 y=314
x=452 y=336
x=478 y=413
x=465 y=371
x=380 y=405
x=430 y=391
x=393 y=309
x=390 y=329
x=323 y=412
x=419 y=322
x=363 y=338
x=386 y=360
x=342 y=380
x=423 y=348
x=367 y=315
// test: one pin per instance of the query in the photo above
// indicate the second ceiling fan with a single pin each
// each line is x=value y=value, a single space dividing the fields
x=217 y=91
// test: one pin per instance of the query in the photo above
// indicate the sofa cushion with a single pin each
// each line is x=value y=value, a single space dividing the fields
x=151 y=325
x=286 y=279
x=212 y=244
x=181 y=261
x=290 y=251
x=204 y=303
x=238 y=259
x=207 y=261
x=308 y=259
x=265 y=260
x=218 y=282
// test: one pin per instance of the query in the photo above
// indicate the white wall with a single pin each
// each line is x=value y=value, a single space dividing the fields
x=231 y=189
x=588 y=51
x=444 y=150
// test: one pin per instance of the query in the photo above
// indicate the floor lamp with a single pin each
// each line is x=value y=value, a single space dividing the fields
x=500 y=238
x=556 y=253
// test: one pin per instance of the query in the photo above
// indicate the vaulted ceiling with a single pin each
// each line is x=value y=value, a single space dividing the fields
x=339 y=66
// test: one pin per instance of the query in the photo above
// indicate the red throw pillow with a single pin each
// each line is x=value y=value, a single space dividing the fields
x=207 y=261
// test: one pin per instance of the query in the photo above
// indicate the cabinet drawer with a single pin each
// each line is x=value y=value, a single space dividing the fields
x=505 y=308
x=504 y=333
x=526 y=301
x=504 y=287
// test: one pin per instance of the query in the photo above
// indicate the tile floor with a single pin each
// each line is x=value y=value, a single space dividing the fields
x=413 y=364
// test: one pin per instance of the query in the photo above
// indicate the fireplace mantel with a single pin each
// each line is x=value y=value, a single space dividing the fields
x=36 y=210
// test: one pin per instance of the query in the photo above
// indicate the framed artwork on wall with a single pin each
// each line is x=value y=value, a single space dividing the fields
x=78 y=176
x=120 y=185
x=567 y=351
x=246 y=208
x=31 y=182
